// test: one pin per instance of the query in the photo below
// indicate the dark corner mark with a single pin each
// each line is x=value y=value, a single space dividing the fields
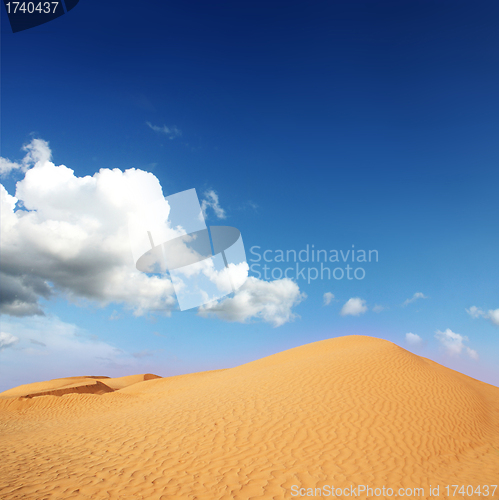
x=24 y=15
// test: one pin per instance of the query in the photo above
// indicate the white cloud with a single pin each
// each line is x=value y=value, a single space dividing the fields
x=416 y=296
x=6 y=166
x=36 y=151
x=72 y=237
x=492 y=314
x=413 y=339
x=377 y=308
x=170 y=132
x=472 y=353
x=328 y=298
x=475 y=312
x=354 y=307
x=270 y=301
x=211 y=201
x=453 y=343
x=7 y=340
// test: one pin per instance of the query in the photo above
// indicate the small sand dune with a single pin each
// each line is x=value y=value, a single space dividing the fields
x=122 y=382
x=75 y=385
x=345 y=411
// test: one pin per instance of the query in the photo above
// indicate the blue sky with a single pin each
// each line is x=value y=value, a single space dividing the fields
x=371 y=124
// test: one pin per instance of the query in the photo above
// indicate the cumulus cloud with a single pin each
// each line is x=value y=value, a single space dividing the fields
x=453 y=343
x=492 y=314
x=269 y=301
x=7 y=340
x=328 y=298
x=210 y=200
x=416 y=296
x=354 y=307
x=413 y=339
x=170 y=132
x=19 y=294
x=72 y=237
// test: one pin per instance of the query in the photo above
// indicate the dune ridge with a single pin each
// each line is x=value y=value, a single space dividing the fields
x=344 y=411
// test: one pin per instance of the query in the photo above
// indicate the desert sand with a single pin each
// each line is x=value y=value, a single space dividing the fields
x=345 y=411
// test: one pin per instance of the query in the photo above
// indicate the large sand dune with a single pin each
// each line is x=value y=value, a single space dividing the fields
x=346 y=411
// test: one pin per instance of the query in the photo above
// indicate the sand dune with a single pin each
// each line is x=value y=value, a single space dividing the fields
x=346 y=411
x=75 y=385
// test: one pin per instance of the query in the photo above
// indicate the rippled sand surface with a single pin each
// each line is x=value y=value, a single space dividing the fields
x=346 y=411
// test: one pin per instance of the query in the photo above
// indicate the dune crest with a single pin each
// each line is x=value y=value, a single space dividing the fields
x=345 y=411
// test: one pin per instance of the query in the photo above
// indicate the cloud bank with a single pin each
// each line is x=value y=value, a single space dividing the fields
x=63 y=234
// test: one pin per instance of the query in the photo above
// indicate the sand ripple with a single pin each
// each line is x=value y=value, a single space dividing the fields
x=350 y=410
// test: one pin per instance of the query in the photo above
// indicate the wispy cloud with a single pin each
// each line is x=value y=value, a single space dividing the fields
x=37 y=342
x=143 y=354
x=416 y=296
x=328 y=298
x=115 y=315
x=354 y=307
x=170 y=132
x=7 y=166
x=377 y=308
x=491 y=314
x=36 y=151
x=210 y=200
x=453 y=343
